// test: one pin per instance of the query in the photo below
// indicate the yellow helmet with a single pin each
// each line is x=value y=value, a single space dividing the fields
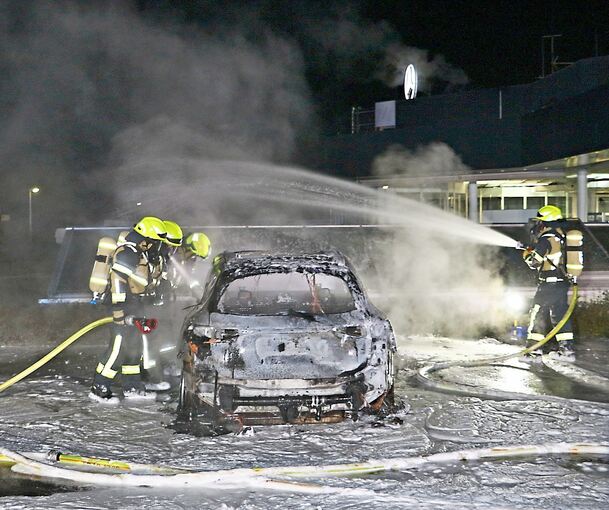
x=151 y=228
x=174 y=233
x=549 y=213
x=199 y=244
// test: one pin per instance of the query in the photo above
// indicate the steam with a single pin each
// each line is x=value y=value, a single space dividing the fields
x=429 y=68
x=442 y=286
x=87 y=87
x=436 y=158
x=441 y=283
x=108 y=110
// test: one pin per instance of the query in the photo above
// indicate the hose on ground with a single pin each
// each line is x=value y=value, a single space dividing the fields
x=142 y=475
x=48 y=357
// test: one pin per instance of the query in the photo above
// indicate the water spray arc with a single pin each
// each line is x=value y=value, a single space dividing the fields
x=269 y=190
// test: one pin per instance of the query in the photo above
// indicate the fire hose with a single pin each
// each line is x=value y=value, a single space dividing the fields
x=143 y=324
x=48 y=357
x=425 y=371
x=57 y=466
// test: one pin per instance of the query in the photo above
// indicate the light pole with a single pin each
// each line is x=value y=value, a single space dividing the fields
x=31 y=191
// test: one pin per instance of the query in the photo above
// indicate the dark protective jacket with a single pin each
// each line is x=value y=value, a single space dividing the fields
x=548 y=256
x=130 y=276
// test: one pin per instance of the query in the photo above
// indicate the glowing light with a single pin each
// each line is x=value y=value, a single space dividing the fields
x=515 y=302
x=411 y=82
x=385 y=187
x=35 y=189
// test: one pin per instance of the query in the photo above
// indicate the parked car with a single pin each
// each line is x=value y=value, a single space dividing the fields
x=280 y=338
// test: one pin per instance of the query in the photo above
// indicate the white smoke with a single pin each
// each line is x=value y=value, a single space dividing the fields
x=118 y=110
x=91 y=86
x=430 y=68
x=440 y=284
x=437 y=158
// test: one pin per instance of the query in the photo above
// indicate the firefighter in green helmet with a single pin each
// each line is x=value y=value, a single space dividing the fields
x=547 y=256
x=196 y=246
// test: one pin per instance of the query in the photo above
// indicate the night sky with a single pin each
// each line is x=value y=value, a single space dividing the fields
x=494 y=42
x=87 y=85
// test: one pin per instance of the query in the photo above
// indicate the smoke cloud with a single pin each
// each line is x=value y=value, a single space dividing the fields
x=107 y=109
x=89 y=88
x=441 y=283
x=430 y=69
x=436 y=158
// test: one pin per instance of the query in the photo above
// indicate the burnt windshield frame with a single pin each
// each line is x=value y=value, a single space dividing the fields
x=343 y=273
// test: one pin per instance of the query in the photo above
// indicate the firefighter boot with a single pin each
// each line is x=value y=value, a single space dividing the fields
x=566 y=350
x=101 y=393
x=134 y=389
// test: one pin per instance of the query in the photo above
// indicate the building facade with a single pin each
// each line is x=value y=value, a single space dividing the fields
x=522 y=147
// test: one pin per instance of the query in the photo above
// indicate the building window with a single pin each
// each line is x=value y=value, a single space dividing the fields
x=603 y=204
x=560 y=202
x=491 y=203
x=536 y=202
x=513 y=203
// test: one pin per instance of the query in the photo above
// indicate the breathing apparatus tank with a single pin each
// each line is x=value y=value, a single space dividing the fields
x=573 y=250
x=98 y=282
x=574 y=246
x=122 y=237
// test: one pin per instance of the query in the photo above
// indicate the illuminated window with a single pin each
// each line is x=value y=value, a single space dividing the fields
x=603 y=204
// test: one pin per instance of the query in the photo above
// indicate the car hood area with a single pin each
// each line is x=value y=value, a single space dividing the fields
x=280 y=347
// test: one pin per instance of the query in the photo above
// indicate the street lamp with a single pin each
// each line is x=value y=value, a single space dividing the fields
x=31 y=191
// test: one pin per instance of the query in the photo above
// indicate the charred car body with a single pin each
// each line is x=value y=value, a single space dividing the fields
x=284 y=338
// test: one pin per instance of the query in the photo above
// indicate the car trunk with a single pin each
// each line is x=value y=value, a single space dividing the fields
x=289 y=347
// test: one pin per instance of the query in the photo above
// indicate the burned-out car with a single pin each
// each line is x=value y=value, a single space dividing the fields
x=284 y=339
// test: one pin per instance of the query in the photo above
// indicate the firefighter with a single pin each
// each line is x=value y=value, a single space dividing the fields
x=196 y=246
x=162 y=260
x=548 y=257
x=130 y=279
x=163 y=296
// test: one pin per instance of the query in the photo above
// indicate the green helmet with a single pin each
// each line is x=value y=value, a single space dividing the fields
x=549 y=213
x=151 y=227
x=199 y=244
x=174 y=233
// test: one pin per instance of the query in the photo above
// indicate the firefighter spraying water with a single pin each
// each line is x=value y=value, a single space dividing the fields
x=556 y=254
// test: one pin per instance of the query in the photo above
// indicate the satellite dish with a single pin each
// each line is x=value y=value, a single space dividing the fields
x=410 y=82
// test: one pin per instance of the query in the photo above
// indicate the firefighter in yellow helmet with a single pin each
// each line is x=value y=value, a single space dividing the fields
x=162 y=260
x=161 y=294
x=130 y=280
x=196 y=246
x=548 y=257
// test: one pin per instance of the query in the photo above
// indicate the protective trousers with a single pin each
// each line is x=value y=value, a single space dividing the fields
x=549 y=307
x=122 y=357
